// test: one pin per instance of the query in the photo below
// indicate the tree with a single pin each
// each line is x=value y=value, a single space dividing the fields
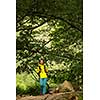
x=51 y=29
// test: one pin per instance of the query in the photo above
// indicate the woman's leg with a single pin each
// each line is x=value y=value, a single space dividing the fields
x=41 y=85
x=44 y=85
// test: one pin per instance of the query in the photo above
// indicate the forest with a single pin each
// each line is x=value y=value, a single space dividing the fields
x=52 y=30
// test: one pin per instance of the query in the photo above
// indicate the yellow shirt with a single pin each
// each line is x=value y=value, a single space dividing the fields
x=42 y=71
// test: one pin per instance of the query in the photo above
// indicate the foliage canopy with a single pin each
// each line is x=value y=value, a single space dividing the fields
x=51 y=29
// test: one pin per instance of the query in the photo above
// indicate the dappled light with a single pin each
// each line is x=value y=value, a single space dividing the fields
x=52 y=30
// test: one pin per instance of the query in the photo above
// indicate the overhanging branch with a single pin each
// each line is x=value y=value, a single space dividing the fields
x=57 y=17
x=72 y=25
x=32 y=28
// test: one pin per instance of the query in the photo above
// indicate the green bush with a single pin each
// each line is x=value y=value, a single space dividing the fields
x=26 y=85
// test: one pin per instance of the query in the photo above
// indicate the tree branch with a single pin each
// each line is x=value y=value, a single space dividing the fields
x=53 y=39
x=72 y=25
x=32 y=28
x=60 y=18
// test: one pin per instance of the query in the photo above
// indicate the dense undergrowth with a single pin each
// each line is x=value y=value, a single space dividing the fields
x=26 y=85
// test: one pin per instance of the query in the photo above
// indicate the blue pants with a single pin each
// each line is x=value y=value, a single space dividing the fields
x=43 y=82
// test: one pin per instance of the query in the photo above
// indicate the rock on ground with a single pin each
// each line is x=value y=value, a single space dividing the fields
x=55 y=96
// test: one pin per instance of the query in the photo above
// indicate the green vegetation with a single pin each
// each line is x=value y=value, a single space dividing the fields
x=26 y=85
x=52 y=29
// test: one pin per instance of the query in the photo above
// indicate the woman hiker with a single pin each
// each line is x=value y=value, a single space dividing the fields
x=42 y=71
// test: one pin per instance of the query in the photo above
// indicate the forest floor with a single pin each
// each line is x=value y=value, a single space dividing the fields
x=54 y=96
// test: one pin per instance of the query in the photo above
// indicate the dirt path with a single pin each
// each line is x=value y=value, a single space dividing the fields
x=54 y=96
